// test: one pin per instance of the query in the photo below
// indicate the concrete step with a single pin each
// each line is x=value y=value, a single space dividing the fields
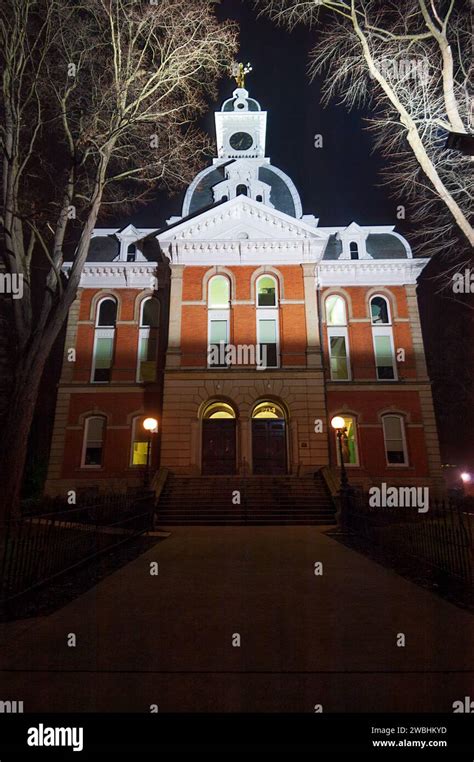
x=279 y=500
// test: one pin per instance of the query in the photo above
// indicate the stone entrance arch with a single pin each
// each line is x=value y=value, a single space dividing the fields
x=218 y=438
x=269 y=438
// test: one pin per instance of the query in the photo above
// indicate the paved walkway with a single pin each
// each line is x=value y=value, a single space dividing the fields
x=305 y=639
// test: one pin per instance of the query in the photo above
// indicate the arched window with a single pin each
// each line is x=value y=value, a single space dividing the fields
x=354 y=250
x=93 y=442
x=268 y=334
x=267 y=291
x=218 y=321
x=241 y=190
x=218 y=410
x=259 y=197
x=338 y=338
x=148 y=339
x=379 y=311
x=104 y=340
x=350 y=450
x=131 y=252
x=219 y=292
x=140 y=442
x=336 y=310
x=106 y=313
x=382 y=336
x=395 y=440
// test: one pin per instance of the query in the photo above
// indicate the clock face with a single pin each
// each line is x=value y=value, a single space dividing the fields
x=241 y=141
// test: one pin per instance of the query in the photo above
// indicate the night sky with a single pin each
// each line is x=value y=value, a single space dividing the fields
x=337 y=183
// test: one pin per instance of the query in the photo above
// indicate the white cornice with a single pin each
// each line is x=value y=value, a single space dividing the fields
x=390 y=272
x=244 y=252
x=118 y=275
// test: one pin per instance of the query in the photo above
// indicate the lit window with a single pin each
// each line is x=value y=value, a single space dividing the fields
x=219 y=292
x=93 y=446
x=266 y=291
x=335 y=310
x=338 y=338
x=350 y=453
x=140 y=441
x=339 y=360
x=394 y=437
x=382 y=337
x=104 y=341
x=148 y=340
x=218 y=330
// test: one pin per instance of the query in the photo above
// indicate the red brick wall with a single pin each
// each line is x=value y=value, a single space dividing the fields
x=366 y=407
x=360 y=334
x=243 y=318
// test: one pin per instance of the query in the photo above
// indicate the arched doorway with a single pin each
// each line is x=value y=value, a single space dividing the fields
x=269 y=439
x=218 y=439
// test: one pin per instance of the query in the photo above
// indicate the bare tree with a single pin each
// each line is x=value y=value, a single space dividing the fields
x=99 y=99
x=407 y=61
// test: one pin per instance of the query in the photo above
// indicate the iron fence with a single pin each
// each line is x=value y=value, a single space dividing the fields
x=38 y=547
x=440 y=538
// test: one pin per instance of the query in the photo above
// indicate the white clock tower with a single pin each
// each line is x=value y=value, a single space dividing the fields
x=241 y=167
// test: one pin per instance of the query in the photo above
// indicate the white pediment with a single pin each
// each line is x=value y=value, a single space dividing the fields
x=241 y=217
x=242 y=232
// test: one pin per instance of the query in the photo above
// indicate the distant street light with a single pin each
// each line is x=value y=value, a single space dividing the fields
x=466 y=478
x=151 y=426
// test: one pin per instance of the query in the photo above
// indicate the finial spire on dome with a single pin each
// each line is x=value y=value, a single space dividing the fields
x=239 y=72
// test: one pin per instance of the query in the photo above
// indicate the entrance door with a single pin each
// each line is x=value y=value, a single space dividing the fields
x=269 y=445
x=218 y=446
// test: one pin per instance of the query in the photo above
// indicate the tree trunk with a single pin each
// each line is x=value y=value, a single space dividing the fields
x=14 y=436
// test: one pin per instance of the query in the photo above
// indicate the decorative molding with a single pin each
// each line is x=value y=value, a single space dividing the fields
x=376 y=272
x=118 y=275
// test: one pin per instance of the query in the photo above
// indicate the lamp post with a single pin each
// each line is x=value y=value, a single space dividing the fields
x=340 y=428
x=151 y=426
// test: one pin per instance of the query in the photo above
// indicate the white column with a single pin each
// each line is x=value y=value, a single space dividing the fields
x=313 y=341
x=173 y=355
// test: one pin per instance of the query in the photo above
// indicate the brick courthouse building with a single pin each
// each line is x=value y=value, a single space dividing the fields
x=315 y=321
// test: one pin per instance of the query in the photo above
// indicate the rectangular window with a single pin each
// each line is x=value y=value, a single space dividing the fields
x=384 y=356
x=103 y=355
x=93 y=442
x=338 y=354
x=350 y=454
x=218 y=339
x=268 y=341
x=139 y=443
x=394 y=436
x=147 y=354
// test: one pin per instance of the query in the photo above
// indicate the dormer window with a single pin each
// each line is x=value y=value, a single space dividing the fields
x=354 y=250
x=131 y=252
